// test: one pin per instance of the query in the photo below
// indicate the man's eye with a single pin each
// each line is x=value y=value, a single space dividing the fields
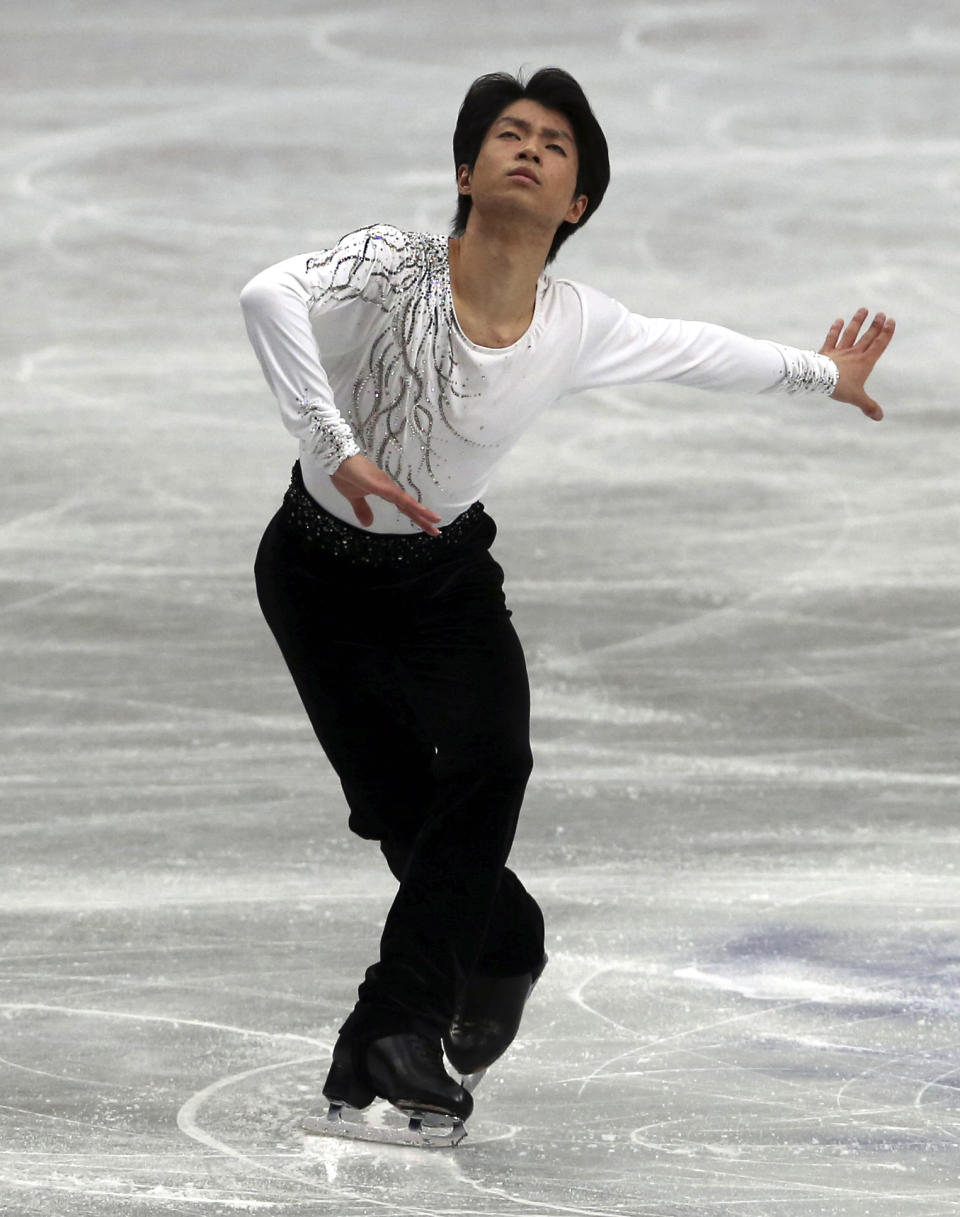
x=509 y=135
x=558 y=148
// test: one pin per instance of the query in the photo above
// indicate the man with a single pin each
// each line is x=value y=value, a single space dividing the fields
x=407 y=365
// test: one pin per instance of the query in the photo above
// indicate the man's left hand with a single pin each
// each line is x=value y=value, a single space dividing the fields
x=855 y=357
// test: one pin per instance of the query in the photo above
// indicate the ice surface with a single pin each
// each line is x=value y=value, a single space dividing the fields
x=740 y=617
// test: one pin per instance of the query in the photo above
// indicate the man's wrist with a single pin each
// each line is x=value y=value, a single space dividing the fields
x=332 y=444
x=809 y=372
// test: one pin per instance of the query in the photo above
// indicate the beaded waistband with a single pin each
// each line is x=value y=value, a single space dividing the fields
x=373 y=550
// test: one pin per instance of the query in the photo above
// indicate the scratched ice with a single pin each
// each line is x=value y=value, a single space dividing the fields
x=740 y=618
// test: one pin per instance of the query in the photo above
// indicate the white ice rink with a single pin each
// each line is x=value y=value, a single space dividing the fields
x=741 y=617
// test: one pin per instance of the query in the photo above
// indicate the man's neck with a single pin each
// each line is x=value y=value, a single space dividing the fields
x=494 y=281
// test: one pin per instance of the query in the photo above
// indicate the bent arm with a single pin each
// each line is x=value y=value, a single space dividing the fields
x=278 y=325
x=276 y=310
x=278 y=306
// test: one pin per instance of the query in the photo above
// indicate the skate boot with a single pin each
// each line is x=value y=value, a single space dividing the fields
x=407 y=1070
x=487 y=1019
x=346 y=1085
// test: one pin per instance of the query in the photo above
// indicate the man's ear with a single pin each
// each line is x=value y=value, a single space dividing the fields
x=577 y=208
x=463 y=179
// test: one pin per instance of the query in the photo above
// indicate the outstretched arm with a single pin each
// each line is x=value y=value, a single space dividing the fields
x=619 y=347
x=855 y=357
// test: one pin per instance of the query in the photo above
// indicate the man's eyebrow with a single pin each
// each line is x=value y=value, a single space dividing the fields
x=524 y=125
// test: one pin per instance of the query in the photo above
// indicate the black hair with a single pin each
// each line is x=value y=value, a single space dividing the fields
x=554 y=89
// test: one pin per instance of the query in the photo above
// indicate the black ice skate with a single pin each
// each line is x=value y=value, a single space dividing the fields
x=406 y=1070
x=346 y=1084
x=486 y=1021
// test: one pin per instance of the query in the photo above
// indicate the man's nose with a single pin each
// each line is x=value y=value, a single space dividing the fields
x=528 y=153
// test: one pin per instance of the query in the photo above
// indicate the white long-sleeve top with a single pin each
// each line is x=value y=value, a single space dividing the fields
x=363 y=351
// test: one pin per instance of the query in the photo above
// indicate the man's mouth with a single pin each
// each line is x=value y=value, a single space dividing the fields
x=527 y=173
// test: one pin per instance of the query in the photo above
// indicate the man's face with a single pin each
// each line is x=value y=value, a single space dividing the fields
x=528 y=163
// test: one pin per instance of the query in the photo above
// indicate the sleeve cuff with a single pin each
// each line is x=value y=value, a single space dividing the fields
x=808 y=372
x=331 y=443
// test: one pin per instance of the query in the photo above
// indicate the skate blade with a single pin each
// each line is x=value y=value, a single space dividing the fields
x=423 y=1131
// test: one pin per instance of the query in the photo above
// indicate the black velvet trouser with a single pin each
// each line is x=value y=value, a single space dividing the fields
x=416 y=686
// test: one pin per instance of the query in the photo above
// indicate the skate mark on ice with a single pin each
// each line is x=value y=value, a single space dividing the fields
x=48 y=154
x=187 y=1115
x=117 y=952
x=188 y=1123
x=939 y=1083
x=46 y=1117
x=809 y=1190
x=56 y=590
x=155 y=1194
x=916 y=1103
x=837 y=993
x=170 y=1020
x=599 y=1071
x=576 y=996
x=60 y=1077
x=785 y=986
x=807 y=681
x=47 y=515
x=172 y=711
x=842 y=891
x=668 y=765
x=551 y=1207
x=712 y=619
x=111 y=986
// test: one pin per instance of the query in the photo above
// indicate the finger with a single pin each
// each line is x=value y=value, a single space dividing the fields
x=849 y=336
x=878 y=345
x=423 y=513
x=427 y=520
x=422 y=518
x=363 y=511
x=871 y=333
x=428 y=528
x=871 y=408
x=410 y=507
x=420 y=515
x=882 y=338
x=830 y=342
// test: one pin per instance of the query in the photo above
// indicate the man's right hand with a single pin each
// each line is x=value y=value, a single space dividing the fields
x=358 y=477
